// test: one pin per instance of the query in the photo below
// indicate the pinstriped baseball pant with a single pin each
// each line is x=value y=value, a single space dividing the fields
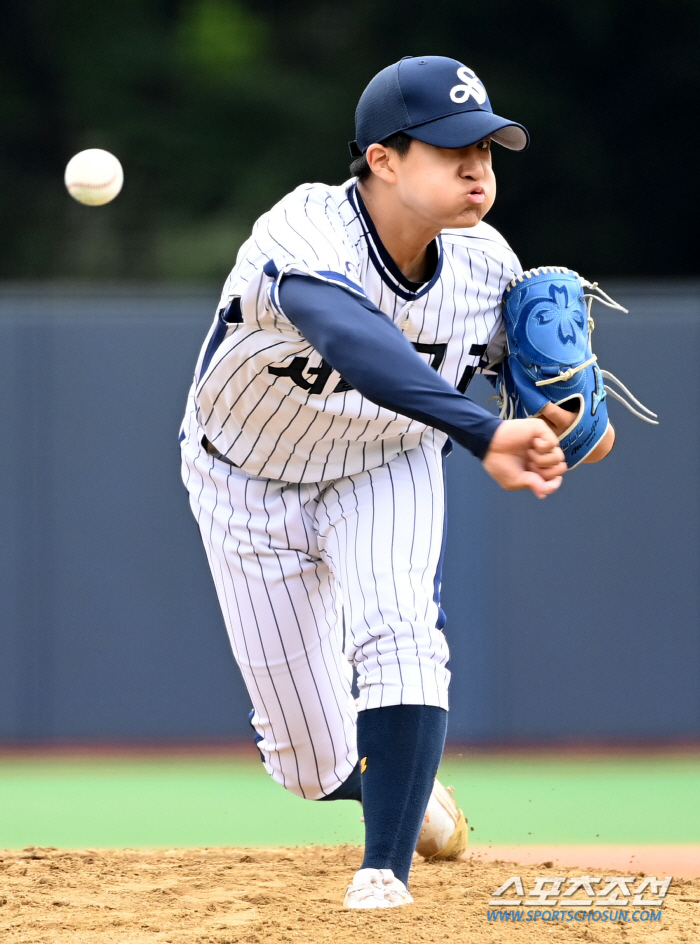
x=315 y=578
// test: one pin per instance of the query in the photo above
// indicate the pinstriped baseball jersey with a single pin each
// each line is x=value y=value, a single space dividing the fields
x=266 y=399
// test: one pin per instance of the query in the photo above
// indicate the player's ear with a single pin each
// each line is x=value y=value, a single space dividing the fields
x=380 y=161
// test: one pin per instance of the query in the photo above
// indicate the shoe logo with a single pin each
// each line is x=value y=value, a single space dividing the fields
x=472 y=88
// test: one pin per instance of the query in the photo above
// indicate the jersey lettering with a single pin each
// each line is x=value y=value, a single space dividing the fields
x=342 y=386
x=295 y=370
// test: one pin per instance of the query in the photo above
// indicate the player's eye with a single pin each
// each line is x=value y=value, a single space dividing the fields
x=484 y=145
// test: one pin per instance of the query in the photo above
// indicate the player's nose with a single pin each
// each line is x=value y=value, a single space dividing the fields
x=472 y=167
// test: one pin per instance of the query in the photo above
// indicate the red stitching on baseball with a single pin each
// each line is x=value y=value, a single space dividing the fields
x=77 y=183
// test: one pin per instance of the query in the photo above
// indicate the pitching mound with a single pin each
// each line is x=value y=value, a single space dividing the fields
x=222 y=896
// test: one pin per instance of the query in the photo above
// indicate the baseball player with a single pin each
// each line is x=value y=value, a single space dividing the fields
x=325 y=400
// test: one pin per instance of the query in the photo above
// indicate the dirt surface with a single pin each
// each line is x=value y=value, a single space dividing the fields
x=222 y=896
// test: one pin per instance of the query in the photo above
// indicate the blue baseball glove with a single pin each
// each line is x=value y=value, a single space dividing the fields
x=547 y=315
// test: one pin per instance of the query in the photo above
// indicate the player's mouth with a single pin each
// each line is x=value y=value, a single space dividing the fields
x=476 y=195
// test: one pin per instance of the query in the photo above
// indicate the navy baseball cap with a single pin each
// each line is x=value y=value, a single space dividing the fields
x=434 y=99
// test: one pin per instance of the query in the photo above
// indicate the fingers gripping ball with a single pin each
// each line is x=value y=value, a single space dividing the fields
x=548 y=325
x=94 y=177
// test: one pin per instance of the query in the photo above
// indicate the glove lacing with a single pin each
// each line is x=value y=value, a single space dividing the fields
x=596 y=293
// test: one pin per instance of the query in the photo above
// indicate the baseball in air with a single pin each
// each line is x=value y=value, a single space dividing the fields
x=94 y=177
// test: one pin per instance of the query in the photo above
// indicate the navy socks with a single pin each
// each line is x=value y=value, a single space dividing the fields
x=400 y=749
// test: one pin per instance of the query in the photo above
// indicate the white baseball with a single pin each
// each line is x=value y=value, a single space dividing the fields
x=94 y=177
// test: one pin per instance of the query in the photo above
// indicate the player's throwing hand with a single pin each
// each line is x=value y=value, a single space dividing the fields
x=526 y=454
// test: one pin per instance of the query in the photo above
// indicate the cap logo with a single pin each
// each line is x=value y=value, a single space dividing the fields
x=473 y=87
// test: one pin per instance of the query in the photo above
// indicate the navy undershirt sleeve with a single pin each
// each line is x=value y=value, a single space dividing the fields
x=370 y=352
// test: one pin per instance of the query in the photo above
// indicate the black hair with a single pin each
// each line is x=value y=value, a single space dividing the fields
x=399 y=142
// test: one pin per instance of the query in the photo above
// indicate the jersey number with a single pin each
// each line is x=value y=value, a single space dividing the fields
x=476 y=350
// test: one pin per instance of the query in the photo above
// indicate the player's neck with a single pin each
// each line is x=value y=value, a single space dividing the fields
x=404 y=234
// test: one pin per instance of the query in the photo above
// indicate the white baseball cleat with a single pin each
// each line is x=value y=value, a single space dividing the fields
x=376 y=888
x=444 y=833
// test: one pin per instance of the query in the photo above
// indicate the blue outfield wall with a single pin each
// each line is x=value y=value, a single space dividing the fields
x=574 y=617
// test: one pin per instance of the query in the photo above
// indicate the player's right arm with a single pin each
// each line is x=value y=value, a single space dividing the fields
x=371 y=353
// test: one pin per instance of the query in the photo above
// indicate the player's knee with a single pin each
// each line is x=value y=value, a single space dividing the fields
x=307 y=773
x=309 y=786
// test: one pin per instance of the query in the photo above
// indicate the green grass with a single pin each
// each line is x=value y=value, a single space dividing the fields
x=74 y=803
x=587 y=800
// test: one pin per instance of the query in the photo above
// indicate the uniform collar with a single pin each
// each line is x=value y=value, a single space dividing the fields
x=383 y=262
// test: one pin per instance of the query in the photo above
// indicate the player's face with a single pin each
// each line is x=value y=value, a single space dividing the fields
x=450 y=187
